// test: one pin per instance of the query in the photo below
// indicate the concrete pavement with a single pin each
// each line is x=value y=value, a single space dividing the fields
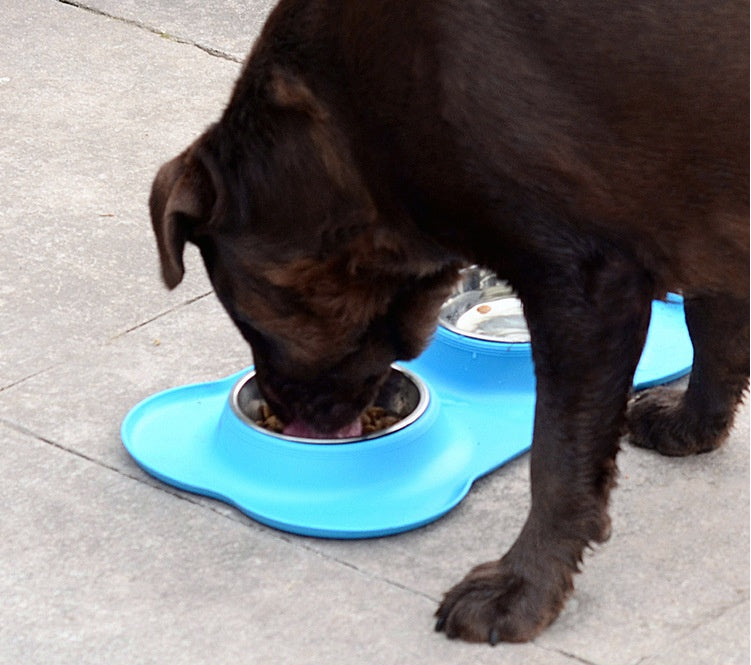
x=100 y=563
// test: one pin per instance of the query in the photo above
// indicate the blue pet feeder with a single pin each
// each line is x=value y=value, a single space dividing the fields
x=467 y=407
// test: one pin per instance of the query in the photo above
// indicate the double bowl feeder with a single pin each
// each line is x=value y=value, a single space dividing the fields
x=466 y=406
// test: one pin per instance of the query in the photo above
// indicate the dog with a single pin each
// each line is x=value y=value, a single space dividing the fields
x=595 y=156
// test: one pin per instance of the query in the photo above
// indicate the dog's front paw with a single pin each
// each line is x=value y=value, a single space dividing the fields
x=658 y=420
x=493 y=604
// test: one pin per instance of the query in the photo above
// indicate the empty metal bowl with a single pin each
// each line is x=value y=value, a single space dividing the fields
x=403 y=394
x=485 y=307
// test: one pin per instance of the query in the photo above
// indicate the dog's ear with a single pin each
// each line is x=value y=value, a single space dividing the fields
x=182 y=200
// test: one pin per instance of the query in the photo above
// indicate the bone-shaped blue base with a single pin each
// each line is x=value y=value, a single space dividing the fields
x=480 y=415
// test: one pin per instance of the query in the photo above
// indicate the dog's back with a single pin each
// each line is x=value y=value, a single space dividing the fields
x=631 y=119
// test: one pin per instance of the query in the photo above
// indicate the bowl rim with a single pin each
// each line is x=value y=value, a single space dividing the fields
x=460 y=290
x=482 y=336
x=420 y=408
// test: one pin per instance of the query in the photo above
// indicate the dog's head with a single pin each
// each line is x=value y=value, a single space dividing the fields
x=327 y=291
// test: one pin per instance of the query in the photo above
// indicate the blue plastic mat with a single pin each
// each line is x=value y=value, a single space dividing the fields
x=480 y=416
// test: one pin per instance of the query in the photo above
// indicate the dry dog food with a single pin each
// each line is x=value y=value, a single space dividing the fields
x=374 y=419
x=268 y=420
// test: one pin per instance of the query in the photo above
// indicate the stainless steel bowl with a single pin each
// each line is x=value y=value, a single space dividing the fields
x=485 y=307
x=403 y=394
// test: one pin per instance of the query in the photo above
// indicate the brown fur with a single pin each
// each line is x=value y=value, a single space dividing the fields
x=594 y=155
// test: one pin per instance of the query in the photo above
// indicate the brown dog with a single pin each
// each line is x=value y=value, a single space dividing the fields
x=593 y=155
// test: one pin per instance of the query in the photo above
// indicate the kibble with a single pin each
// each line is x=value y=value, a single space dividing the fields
x=374 y=419
x=268 y=420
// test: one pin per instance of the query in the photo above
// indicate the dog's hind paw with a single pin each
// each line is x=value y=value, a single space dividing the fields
x=658 y=420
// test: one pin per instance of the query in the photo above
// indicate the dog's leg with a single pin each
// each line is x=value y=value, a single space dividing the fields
x=673 y=422
x=588 y=327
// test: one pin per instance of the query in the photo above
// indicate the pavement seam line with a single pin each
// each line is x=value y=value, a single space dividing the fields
x=162 y=487
x=566 y=654
x=210 y=50
x=161 y=314
x=365 y=573
x=279 y=535
x=26 y=431
x=141 y=324
x=18 y=382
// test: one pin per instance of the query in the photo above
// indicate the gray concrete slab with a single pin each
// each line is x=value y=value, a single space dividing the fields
x=101 y=562
x=87 y=118
x=107 y=569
